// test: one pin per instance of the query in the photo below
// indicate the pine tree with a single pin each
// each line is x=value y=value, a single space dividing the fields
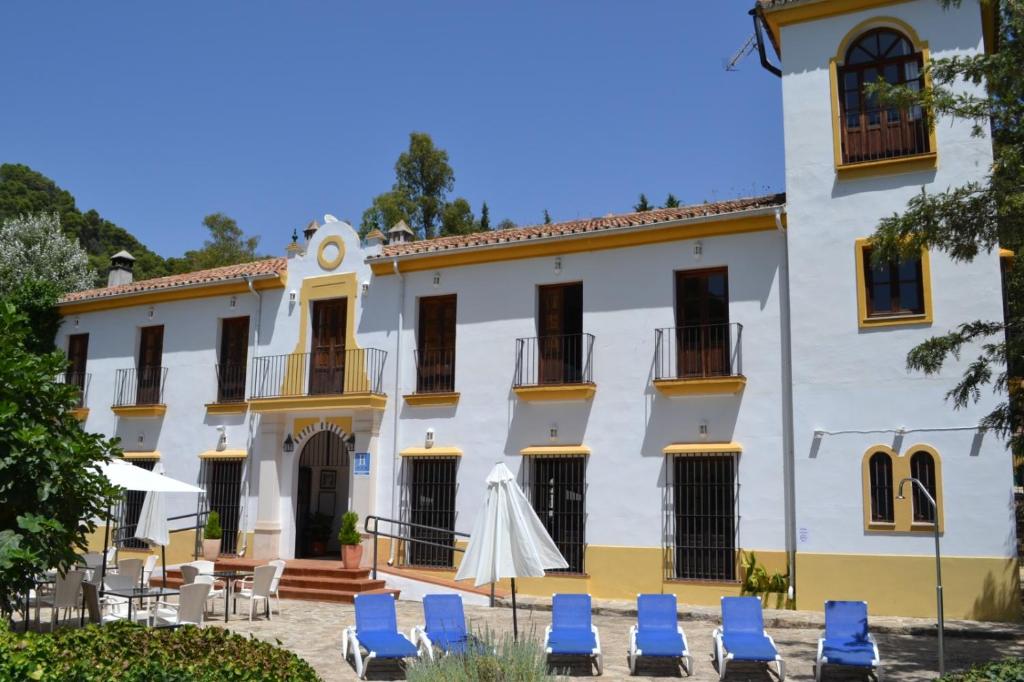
x=485 y=218
x=671 y=201
x=643 y=204
x=547 y=217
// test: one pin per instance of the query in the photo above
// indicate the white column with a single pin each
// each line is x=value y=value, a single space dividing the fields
x=267 y=532
x=364 y=488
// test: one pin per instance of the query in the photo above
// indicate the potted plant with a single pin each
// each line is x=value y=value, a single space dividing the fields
x=319 y=530
x=351 y=541
x=212 y=535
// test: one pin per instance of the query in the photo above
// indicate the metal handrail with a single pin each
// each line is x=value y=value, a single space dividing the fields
x=377 y=533
x=698 y=351
x=554 y=359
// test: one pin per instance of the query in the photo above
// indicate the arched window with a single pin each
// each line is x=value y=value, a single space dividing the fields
x=880 y=474
x=869 y=132
x=922 y=467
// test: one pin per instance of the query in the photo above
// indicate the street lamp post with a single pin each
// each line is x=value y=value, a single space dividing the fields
x=938 y=564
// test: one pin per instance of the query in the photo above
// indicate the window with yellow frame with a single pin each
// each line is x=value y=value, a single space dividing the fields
x=869 y=138
x=882 y=469
x=894 y=293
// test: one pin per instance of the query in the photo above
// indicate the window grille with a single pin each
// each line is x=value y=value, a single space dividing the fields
x=701 y=523
x=558 y=491
x=223 y=495
x=880 y=468
x=432 y=485
x=922 y=467
x=131 y=507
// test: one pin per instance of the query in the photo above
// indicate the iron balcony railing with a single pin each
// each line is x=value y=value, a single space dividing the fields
x=698 y=351
x=555 y=359
x=435 y=370
x=79 y=380
x=231 y=383
x=139 y=386
x=328 y=372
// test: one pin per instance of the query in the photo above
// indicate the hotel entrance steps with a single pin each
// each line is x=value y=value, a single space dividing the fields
x=308 y=579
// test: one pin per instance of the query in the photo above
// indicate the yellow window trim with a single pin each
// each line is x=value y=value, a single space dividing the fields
x=1007 y=253
x=430 y=399
x=369 y=401
x=903 y=513
x=227 y=408
x=785 y=16
x=139 y=410
x=558 y=392
x=224 y=454
x=141 y=454
x=330 y=263
x=866 y=322
x=550 y=450
x=436 y=451
x=902 y=164
x=80 y=413
x=702 y=448
x=701 y=386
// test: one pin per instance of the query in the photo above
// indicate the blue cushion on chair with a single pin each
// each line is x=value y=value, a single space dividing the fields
x=572 y=642
x=851 y=652
x=386 y=644
x=659 y=643
x=749 y=647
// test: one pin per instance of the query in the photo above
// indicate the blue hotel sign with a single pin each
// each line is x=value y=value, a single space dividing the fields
x=361 y=464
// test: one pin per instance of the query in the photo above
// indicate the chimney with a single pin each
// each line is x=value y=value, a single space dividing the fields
x=121 y=264
x=400 y=233
x=311 y=229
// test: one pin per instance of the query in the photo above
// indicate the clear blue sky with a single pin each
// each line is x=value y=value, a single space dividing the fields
x=157 y=114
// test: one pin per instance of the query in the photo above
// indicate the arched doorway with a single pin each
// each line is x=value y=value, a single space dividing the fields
x=322 y=494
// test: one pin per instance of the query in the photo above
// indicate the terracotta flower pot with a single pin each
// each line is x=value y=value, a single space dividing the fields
x=211 y=549
x=351 y=555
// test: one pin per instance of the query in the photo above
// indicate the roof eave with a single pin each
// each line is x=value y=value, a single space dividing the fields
x=183 y=287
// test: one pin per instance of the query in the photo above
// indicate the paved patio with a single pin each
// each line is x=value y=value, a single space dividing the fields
x=313 y=631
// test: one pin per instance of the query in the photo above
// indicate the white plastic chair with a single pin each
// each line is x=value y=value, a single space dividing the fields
x=259 y=588
x=130 y=567
x=189 y=610
x=93 y=562
x=217 y=588
x=188 y=574
x=147 y=569
x=279 y=564
x=119 y=605
x=203 y=565
x=65 y=596
x=95 y=606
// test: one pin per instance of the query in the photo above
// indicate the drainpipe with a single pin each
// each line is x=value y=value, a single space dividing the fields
x=759 y=39
x=788 y=448
x=252 y=415
x=396 y=425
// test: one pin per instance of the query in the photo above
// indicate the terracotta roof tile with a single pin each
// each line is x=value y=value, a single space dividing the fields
x=270 y=266
x=582 y=226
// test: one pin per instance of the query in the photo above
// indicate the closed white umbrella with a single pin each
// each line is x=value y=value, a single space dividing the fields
x=152 y=526
x=508 y=539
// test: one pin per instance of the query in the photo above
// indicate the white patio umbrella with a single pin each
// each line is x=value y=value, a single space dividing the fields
x=130 y=477
x=152 y=526
x=508 y=539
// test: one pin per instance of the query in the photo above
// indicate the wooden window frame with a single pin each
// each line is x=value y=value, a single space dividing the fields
x=865 y=318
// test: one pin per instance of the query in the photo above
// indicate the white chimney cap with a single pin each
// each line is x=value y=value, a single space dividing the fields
x=122 y=254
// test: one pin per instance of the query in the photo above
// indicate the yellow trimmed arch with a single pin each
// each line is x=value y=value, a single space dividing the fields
x=865 y=472
x=903 y=512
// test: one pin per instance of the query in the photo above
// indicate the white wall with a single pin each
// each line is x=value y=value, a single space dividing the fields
x=848 y=378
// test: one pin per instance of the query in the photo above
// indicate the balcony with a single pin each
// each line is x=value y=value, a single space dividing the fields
x=230 y=390
x=556 y=367
x=435 y=379
x=139 y=392
x=699 y=360
x=80 y=380
x=350 y=377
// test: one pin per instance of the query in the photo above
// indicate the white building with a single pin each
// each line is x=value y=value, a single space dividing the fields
x=675 y=387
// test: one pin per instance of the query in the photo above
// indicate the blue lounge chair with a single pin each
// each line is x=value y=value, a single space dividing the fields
x=742 y=636
x=847 y=641
x=444 y=626
x=657 y=633
x=376 y=630
x=571 y=633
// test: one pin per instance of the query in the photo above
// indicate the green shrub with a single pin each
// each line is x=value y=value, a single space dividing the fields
x=1010 y=670
x=213 y=531
x=132 y=653
x=501 y=660
x=349 y=534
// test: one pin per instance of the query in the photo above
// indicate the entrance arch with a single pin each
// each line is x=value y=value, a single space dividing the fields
x=322 y=493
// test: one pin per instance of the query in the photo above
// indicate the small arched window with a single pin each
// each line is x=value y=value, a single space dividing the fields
x=869 y=132
x=880 y=474
x=922 y=467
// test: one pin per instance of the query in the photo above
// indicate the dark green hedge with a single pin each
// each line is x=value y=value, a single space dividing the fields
x=1010 y=670
x=132 y=653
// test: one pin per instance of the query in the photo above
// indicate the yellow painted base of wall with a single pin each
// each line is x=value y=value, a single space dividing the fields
x=180 y=550
x=975 y=588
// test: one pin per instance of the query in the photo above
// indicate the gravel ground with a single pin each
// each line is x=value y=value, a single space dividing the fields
x=313 y=631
